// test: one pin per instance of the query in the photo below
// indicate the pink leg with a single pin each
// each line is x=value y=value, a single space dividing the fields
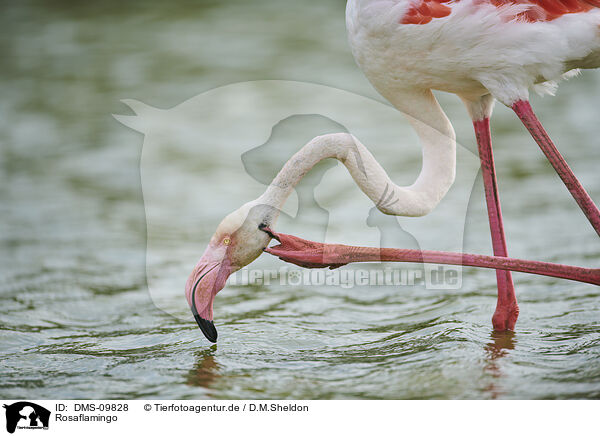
x=311 y=254
x=507 y=309
x=524 y=111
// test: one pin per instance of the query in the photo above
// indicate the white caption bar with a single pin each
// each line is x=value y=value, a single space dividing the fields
x=174 y=417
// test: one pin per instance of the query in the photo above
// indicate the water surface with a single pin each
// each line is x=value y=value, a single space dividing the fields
x=77 y=320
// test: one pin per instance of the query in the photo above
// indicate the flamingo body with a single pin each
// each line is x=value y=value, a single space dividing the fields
x=479 y=47
x=481 y=50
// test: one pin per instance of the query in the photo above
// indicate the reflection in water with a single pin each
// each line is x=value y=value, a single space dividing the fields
x=498 y=348
x=206 y=370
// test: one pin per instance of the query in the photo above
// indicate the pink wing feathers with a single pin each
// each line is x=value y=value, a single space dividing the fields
x=423 y=11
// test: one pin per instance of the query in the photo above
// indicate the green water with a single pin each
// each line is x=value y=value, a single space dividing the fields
x=77 y=319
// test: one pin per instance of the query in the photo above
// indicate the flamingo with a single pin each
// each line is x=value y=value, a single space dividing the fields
x=480 y=50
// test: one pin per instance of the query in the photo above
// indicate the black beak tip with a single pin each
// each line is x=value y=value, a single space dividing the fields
x=208 y=328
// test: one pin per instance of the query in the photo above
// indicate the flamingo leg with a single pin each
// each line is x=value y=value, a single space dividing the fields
x=311 y=254
x=507 y=309
x=525 y=112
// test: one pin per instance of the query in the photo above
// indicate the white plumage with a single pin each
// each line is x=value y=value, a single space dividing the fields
x=478 y=49
x=481 y=50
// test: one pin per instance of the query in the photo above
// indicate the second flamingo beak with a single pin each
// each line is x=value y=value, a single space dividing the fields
x=207 y=279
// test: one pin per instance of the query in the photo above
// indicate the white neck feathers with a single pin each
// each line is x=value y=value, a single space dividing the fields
x=437 y=174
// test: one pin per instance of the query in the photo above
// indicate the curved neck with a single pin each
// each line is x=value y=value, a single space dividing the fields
x=437 y=174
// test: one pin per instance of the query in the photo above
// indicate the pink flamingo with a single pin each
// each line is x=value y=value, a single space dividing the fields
x=480 y=50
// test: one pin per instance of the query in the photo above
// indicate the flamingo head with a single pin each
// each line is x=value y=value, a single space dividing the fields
x=237 y=242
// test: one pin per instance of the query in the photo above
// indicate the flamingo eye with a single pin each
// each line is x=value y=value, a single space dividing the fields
x=227 y=241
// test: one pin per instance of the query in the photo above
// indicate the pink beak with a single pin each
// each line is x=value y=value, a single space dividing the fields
x=207 y=279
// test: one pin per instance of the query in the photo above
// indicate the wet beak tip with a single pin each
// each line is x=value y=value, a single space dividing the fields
x=208 y=328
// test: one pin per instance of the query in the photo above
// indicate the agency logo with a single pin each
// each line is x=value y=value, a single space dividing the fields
x=187 y=147
x=26 y=415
